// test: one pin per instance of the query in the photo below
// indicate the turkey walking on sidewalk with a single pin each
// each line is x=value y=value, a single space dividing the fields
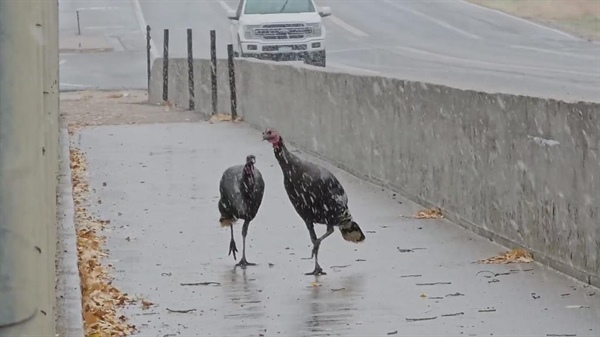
x=242 y=189
x=317 y=196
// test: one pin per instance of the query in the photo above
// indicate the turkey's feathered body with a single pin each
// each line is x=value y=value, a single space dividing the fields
x=317 y=197
x=241 y=195
x=315 y=193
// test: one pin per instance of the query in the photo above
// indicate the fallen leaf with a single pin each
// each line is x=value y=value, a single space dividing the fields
x=431 y=213
x=513 y=256
x=315 y=284
x=423 y=295
x=146 y=304
x=454 y=314
x=185 y=311
x=420 y=319
x=100 y=299
x=220 y=117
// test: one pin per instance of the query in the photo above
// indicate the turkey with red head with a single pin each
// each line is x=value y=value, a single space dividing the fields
x=317 y=196
x=242 y=189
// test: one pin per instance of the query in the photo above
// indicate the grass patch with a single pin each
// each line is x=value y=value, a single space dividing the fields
x=578 y=17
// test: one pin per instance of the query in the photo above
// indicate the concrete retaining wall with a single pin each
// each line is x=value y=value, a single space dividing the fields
x=520 y=170
x=29 y=112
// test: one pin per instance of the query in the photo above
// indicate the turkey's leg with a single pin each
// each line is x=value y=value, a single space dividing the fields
x=243 y=262
x=315 y=252
x=232 y=247
x=313 y=238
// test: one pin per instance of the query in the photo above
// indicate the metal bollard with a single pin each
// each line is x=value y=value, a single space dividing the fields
x=213 y=70
x=166 y=66
x=232 y=82
x=192 y=103
x=148 y=65
x=78 y=26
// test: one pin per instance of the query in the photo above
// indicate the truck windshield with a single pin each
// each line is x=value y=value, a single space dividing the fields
x=278 y=6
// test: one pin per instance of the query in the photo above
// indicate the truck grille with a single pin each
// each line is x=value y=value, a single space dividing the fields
x=284 y=31
x=292 y=46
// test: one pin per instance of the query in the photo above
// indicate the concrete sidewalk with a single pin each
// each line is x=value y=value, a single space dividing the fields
x=158 y=184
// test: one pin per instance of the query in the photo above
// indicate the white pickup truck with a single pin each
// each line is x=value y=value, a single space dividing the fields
x=279 y=30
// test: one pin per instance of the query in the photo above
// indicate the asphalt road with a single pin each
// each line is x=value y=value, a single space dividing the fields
x=447 y=42
x=158 y=185
x=105 y=24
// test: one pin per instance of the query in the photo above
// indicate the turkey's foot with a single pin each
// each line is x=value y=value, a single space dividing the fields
x=244 y=263
x=318 y=271
x=232 y=249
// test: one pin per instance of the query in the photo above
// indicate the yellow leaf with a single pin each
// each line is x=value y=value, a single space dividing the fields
x=432 y=213
x=512 y=256
x=100 y=298
x=220 y=117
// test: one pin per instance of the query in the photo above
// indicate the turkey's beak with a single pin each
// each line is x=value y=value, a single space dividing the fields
x=264 y=137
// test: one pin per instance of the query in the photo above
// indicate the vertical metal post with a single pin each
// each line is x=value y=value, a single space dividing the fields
x=148 y=65
x=232 y=82
x=192 y=102
x=78 y=26
x=213 y=70
x=166 y=66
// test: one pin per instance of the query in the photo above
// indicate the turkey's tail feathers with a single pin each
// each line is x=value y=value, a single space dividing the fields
x=227 y=222
x=351 y=232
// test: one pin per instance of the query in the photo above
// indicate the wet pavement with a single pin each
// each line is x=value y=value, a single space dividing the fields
x=158 y=185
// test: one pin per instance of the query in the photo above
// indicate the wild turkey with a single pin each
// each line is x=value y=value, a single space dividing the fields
x=317 y=196
x=242 y=189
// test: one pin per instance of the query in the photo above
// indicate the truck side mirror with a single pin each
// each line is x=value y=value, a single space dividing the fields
x=325 y=11
x=232 y=15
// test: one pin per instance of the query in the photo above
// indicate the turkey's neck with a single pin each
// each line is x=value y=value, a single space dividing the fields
x=283 y=156
x=248 y=180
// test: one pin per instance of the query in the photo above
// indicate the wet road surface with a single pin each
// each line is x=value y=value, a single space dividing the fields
x=159 y=188
x=446 y=42
x=451 y=42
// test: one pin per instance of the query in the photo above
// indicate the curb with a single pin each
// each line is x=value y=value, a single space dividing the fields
x=85 y=50
x=69 y=320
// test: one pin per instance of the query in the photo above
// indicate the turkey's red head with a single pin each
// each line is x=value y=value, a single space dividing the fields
x=272 y=136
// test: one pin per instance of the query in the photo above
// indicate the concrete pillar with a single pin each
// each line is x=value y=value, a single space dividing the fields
x=26 y=214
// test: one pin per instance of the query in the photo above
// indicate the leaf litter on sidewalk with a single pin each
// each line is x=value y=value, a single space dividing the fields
x=220 y=117
x=428 y=213
x=100 y=298
x=513 y=256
